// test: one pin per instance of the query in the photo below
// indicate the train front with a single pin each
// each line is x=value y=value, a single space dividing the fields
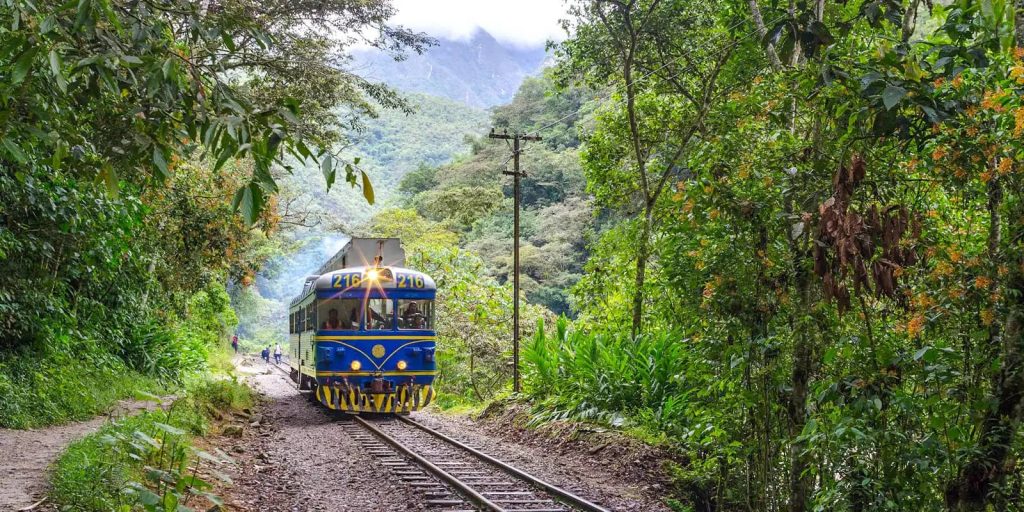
x=375 y=340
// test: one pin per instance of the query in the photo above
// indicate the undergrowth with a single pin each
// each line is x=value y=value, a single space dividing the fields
x=148 y=461
x=43 y=390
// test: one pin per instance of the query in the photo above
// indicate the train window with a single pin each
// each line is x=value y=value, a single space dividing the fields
x=291 y=323
x=379 y=315
x=311 y=317
x=415 y=314
x=339 y=314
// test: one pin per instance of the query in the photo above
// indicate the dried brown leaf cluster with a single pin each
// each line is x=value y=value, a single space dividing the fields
x=872 y=247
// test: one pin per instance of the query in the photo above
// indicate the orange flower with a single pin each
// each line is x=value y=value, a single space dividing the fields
x=1018 y=120
x=1005 y=165
x=987 y=316
x=1017 y=73
x=982 y=282
x=714 y=214
x=972 y=131
x=744 y=172
x=956 y=293
x=942 y=269
x=985 y=176
x=958 y=82
x=915 y=325
x=938 y=153
x=954 y=255
x=939 y=81
x=1018 y=53
x=993 y=100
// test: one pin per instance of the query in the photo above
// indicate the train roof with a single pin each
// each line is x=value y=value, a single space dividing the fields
x=389 y=278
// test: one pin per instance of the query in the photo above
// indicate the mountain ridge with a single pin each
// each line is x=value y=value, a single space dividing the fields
x=481 y=71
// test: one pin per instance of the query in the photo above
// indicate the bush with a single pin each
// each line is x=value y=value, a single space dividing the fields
x=607 y=378
x=148 y=459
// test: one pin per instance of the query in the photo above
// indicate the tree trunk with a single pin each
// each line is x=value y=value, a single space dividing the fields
x=799 y=482
x=1019 y=22
x=642 y=253
x=991 y=461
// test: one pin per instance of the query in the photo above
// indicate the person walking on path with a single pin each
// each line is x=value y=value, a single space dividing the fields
x=277 y=354
x=234 y=343
x=266 y=355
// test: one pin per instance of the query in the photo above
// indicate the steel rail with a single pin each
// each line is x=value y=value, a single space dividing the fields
x=563 y=494
x=468 y=492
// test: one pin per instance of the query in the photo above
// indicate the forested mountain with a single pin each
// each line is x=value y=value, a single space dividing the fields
x=472 y=197
x=481 y=72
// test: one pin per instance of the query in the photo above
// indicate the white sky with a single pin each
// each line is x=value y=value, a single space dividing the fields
x=518 y=22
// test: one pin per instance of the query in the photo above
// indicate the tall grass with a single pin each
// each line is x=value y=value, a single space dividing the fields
x=608 y=378
x=147 y=461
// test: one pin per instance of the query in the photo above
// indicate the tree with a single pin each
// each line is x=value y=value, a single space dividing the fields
x=668 y=86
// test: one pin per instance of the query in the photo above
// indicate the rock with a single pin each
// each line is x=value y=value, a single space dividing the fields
x=233 y=431
x=238 y=449
x=254 y=424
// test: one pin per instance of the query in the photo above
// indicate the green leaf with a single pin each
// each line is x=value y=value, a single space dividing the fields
x=160 y=162
x=57 y=68
x=367 y=188
x=15 y=151
x=249 y=200
x=168 y=67
x=892 y=95
x=23 y=65
x=328 y=170
x=109 y=177
x=169 y=428
x=148 y=397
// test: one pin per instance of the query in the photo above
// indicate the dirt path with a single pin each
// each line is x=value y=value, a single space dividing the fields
x=26 y=455
x=294 y=456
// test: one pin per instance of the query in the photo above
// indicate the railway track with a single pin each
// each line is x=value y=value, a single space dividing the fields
x=453 y=476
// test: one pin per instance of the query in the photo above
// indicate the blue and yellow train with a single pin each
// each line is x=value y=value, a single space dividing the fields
x=362 y=338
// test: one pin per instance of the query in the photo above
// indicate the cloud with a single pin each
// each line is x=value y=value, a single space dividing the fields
x=528 y=23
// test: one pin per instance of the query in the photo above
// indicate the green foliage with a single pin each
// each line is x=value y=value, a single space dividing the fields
x=838 y=245
x=52 y=387
x=147 y=461
x=471 y=197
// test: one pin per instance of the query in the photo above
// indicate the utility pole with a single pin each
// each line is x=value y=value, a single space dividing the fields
x=516 y=139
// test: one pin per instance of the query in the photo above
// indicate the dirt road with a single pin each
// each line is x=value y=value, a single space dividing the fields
x=26 y=455
x=297 y=457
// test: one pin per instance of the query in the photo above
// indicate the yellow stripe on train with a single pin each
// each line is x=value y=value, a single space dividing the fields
x=356 y=402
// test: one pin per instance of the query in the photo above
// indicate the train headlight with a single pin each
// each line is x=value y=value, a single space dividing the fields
x=402 y=365
x=372 y=275
x=356 y=365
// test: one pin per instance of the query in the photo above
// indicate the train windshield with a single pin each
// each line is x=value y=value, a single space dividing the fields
x=379 y=315
x=339 y=314
x=415 y=314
